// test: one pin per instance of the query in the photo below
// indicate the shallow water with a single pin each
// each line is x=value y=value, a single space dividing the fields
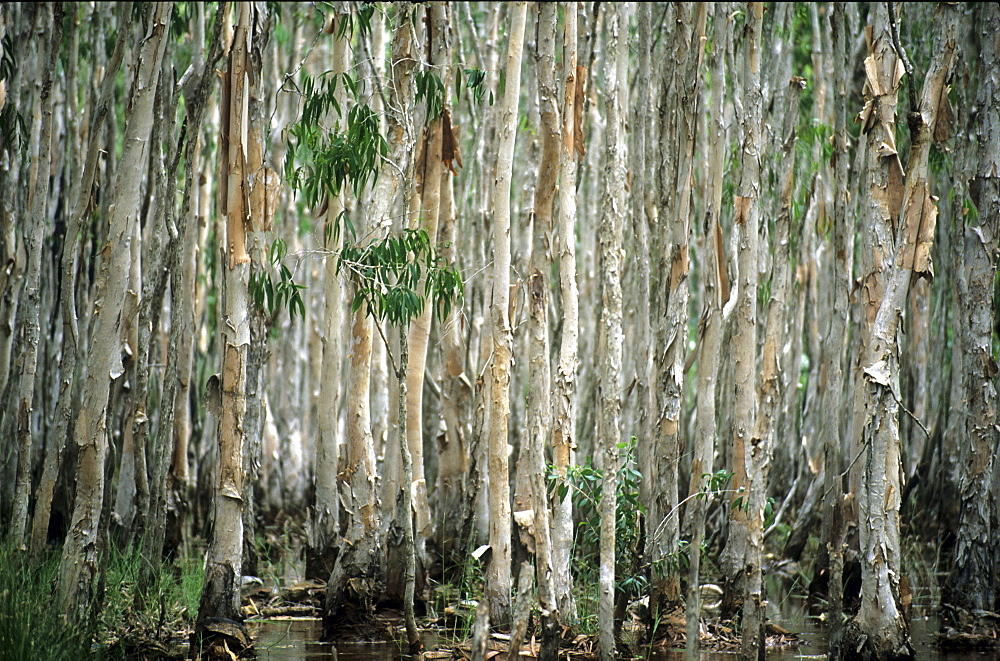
x=297 y=640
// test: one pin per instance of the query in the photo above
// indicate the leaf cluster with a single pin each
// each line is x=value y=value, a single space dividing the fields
x=430 y=89
x=387 y=275
x=346 y=25
x=320 y=163
x=586 y=483
x=271 y=296
x=475 y=82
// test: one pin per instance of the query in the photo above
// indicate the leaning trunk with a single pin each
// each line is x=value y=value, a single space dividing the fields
x=79 y=569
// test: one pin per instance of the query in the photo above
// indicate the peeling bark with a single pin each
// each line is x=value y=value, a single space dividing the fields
x=79 y=568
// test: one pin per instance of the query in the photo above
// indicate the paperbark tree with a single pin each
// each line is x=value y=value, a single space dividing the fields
x=762 y=441
x=168 y=485
x=429 y=174
x=67 y=301
x=611 y=336
x=80 y=565
x=564 y=384
x=715 y=303
x=498 y=584
x=539 y=408
x=735 y=562
x=903 y=215
x=358 y=576
x=223 y=569
x=325 y=530
x=834 y=397
x=974 y=578
x=678 y=116
x=168 y=517
x=48 y=30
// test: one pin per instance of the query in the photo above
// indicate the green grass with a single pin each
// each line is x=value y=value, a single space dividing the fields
x=32 y=627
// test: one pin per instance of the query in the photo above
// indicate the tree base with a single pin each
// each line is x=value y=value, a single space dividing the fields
x=355 y=583
x=857 y=645
x=222 y=638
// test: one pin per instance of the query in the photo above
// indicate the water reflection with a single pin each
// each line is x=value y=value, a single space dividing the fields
x=297 y=640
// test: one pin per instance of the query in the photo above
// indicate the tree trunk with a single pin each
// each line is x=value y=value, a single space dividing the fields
x=498 y=584
x=224 y=565
x=67 y=302
x=399 y=93
x=973 y=581
x=49 y=36
x=754 y=615
x=78 y=570
x=678 y=116
x=326 y=526
x=836 y=350
x=429 y=177
x=453 y=485
x=611 y=338
x=716 y=299
x=539 y=408
x=881 y=628
x=359 y=573
x=564 y=384
x=735 y=561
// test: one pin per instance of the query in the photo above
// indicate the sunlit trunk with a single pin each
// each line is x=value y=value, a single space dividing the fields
x=610 y=335
x=498 y=583
x=79 y=569
x=224 y=564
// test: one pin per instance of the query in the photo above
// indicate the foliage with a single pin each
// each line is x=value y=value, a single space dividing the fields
x=586 y=484
x=457 y=601
x=270 y=296
x=321 y=162
x=170 y=603
x=388 y=274
x=30 y=628
x=475 y=79
x=430 y=89
x=363 y=15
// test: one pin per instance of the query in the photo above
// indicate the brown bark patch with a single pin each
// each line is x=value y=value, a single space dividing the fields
x=578 y=98
x=742 y=205
x=450 y=151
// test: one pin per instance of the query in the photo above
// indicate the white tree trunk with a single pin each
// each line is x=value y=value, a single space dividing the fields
x=611 y=336
x=326 y=512
x=564 y=384
x=224 y=565
x=498 y=584
x=79 y=568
